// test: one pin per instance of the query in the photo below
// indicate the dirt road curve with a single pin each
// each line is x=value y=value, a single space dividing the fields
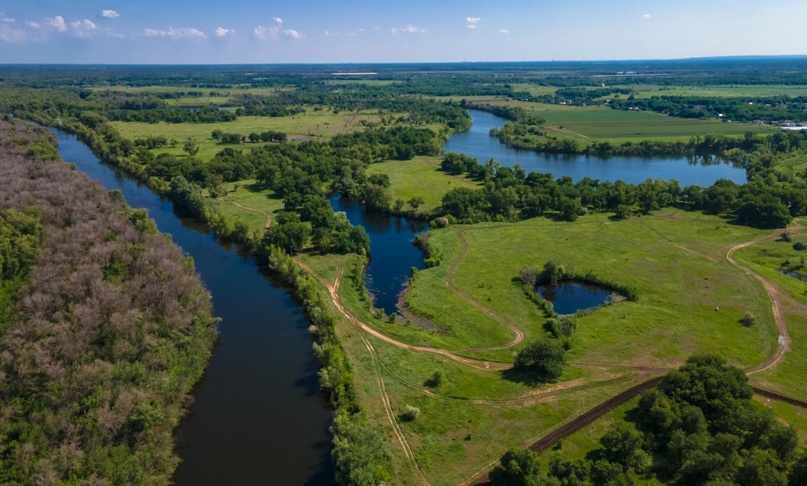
x=268 y=216
x=575 y=424
x=519 y=336
x=783 y=344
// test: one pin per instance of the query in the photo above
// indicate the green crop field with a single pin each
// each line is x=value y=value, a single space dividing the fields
x=621 y=126
x=725 y=91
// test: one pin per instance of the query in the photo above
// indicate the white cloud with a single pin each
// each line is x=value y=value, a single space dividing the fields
x=472 y=22
x=10 y=34
x=5 y=20
x=222 y=32
x=261 y=32
x=176 y=33
x=292 y=33
x=646 y=16
x=109 y=14
x=409 y=29
x=56 y=23
x=33 y=25
x=504 y=31
x=277 y=20
x=82 y=28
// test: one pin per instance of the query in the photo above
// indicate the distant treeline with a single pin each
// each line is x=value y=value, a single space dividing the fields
x=767 y=110
x=106 y=337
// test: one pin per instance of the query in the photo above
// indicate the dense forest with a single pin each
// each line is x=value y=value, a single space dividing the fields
x=105 y=336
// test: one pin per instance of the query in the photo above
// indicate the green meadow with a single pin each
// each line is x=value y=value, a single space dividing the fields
x=419 y=177
x=674 y=259
x=313 y=124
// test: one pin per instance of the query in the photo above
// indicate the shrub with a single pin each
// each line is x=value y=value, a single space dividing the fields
x=410 y=413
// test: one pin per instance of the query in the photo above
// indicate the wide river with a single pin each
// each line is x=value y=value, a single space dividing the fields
x=257 y=417
x=477 y=143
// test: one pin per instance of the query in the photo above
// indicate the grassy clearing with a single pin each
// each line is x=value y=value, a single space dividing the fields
x=765 y=259
x=250 y=202
x=453 y=436
x=618 y=126
x=790 y=414
x=318 y=125
x=420 y=177
x=678 y=289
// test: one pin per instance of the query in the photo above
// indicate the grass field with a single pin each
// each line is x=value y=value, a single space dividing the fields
x=724 y=91
x=622 y=126
x=766 y=258
x=679 y=285
x=312 y=124
x=468 y=421
x=419 y=177
x=249 y=202
x=719 y=91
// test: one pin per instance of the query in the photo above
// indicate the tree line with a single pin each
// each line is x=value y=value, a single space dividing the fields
x=699 y=426
x=771 y=198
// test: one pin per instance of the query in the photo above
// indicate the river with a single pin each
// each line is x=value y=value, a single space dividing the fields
x=257 y=417
x=392 y=252
x=477 y=142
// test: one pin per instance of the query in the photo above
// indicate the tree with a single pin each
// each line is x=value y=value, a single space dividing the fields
x=622 y=444
x=415 y=202
x=291 y=236
x=544 y=358
x=519 y=467
x=190 y=146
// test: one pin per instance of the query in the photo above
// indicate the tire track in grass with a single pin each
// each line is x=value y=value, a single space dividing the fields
x=262 y=213
x=519 y=335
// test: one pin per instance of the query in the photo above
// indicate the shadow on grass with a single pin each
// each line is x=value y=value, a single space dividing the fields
x=526 y=377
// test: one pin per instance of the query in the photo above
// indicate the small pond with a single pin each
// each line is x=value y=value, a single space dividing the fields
x=794 y=274
x=570 y=297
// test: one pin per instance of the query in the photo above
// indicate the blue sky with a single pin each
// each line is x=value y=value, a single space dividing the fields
x=352 y=31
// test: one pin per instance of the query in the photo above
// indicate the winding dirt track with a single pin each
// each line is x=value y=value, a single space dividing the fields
x=783 y=344
x=519 y=335
x=570 y=426
x=246 y=208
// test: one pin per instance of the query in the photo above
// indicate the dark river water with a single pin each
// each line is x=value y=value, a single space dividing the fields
x=477 y=143
x=392 y=253
x=257 y=416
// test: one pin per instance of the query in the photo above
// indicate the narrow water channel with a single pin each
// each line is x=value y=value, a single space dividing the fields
x=392 y=254
x=257 y=417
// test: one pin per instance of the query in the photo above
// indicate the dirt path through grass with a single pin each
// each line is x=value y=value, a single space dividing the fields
x=519 y=335
x=268 y=216
x=783 y=344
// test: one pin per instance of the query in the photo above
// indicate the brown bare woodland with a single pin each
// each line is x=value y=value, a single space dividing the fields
x=107 y=336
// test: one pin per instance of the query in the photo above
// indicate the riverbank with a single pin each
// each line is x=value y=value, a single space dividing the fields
x=260 y=391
